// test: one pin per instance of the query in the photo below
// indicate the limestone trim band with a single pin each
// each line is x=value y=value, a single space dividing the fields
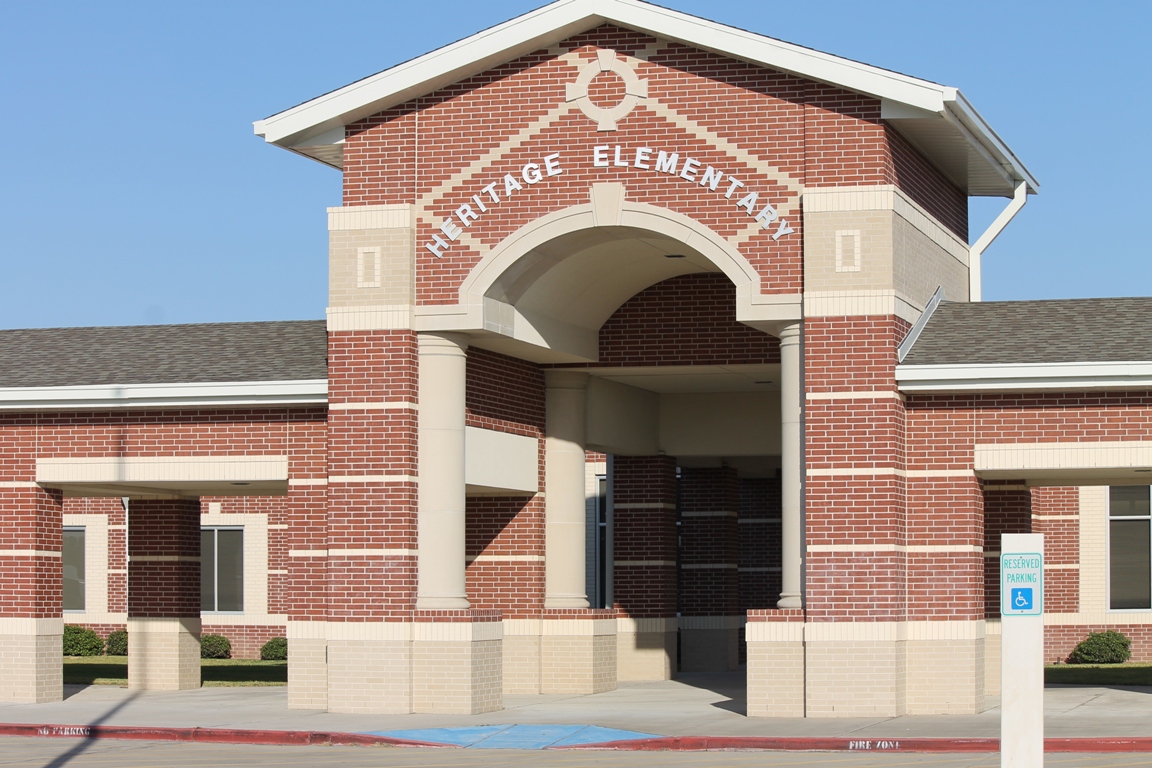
x=28 y=553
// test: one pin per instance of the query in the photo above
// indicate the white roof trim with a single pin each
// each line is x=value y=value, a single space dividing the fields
x=210 y=395
x=305 y=124
x=1022 y=377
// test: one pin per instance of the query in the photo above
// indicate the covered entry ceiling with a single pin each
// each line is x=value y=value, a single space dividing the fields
x=581 y=278
x=696 y=378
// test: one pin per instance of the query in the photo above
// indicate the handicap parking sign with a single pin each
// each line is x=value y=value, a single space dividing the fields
x=1021 y=584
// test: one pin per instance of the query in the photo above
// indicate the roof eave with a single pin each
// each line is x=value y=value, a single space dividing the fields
x=302 y=128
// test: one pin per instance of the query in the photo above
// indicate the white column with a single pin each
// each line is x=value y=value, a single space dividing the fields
x=791 y=466
x=441 y=468
x=564 y=585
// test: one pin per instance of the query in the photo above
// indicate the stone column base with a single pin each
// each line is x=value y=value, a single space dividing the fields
x=992 y=657
x=307 y=664
x=521 y=656
x=578 y=651
x=775 y=641
x=163 y=654
x=646 y=649
x=457 y=662
x=710 y=643
x=946 y=667
x=32 y=670
x=369 y=666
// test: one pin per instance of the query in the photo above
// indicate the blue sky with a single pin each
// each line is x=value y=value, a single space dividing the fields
x=132 y=189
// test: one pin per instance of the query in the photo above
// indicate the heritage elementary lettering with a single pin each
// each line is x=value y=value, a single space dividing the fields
x=611 y=156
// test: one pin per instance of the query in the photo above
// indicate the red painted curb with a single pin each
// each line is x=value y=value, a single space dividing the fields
x=211 y=735
x=795 y=744
x=667 y=743
x=801 y=744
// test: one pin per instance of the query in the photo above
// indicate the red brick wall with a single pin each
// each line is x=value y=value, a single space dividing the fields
x=855 y=451
x=759 y=530
x=365 y=366
x=1006 y=510
x=644 y=490
x=168 y=529
x=709 y=542
x=33 y=583
x=1056 y=514
x=687 y=320
x=507 y=395
x=815 y=134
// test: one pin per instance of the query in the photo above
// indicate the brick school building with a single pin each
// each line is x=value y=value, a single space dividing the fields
x=653 y=346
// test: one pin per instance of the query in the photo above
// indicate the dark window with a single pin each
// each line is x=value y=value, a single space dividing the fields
x=222 y=569
x=73 y=556
x=1129 y=547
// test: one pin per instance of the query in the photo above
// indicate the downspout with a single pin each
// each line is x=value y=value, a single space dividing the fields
x=976 y=251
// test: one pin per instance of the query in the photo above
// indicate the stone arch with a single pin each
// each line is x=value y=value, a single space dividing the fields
x=553 y=282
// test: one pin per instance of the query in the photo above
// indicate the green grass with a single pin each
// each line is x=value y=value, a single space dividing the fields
x=1099 y=674
x=113 y=670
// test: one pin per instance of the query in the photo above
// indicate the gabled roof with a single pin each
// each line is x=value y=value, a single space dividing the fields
x=936 y=118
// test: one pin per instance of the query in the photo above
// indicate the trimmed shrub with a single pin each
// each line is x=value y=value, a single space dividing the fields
x=275 y=649
x=215 y=647
x=81 y=641
x=1108 y=647
x=118 y=643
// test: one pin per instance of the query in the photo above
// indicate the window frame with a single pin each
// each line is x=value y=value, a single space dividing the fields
x=1108 y=518
x=216 y=570
x=84 y=573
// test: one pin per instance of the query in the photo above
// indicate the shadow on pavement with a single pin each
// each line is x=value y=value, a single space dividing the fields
x=732 y=685
x=83 y=745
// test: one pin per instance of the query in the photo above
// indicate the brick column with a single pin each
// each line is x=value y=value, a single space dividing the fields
x=710 y=619
x=31 y=592
x=369 y=555
x=163 y=594
x=644 y=566
x=300 y=550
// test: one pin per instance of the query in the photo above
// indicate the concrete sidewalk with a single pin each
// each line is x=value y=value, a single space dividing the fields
x=693 y=705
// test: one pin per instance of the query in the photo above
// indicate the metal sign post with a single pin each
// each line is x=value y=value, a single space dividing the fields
x=1022 y=650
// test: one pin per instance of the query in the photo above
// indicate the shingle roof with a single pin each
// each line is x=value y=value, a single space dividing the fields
x=1057 y=331
x=157 y=354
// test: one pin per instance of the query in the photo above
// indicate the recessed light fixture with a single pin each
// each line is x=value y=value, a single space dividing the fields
x=1144 y=470
x=763 y=382
x=241 y=483
x=674 y=256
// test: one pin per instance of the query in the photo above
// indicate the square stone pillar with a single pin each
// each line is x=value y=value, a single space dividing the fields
x=31 y=591
x=578 y=651
x=163 y=594
x=457 y=661
x=775 y=640
x=644 y=566
x=710 y=618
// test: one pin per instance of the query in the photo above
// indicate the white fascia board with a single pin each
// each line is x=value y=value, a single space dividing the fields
x=991 y=142
x=1021 y=377
x=207 y=395
x=560 y=20
x=427 y=73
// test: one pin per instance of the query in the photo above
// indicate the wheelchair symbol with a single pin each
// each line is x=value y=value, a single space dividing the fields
x=1022 y=598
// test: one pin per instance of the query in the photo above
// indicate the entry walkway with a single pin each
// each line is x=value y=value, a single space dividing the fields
x=709 y=705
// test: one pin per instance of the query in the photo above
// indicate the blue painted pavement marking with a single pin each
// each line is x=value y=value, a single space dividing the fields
x=516 y=736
